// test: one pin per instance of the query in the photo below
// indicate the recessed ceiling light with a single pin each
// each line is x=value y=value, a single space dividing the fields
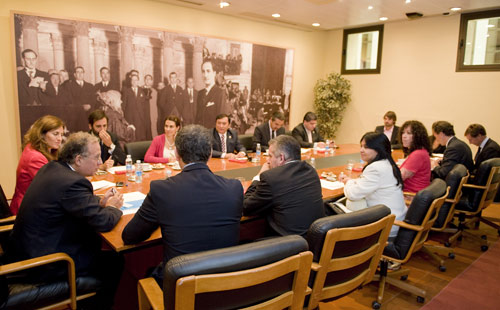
x=383 y=18
x=223 y=4
x=316 y=24
x=455 y=9
x=275 y=15
x=370 y=7
x=491 y=26
x=408 y=1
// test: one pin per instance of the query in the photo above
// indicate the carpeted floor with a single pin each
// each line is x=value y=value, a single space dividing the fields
x=475 y=288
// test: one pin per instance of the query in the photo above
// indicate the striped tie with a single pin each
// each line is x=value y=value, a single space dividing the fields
x=223 y=143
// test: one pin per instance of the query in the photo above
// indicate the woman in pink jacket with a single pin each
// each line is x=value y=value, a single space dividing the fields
x=40 y=145
x=162 y=149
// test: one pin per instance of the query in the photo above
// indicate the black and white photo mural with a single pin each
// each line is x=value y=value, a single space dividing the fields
x=138 y=76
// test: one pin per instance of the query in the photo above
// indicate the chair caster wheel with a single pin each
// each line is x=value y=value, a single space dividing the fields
x=484 y=237
x=404 y=278
x=447 y=244
x=376 y=305
x=442 y=268
x=451 y=255
x=484 y=248
x=420 y=299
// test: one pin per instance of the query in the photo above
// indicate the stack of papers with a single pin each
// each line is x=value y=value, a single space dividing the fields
x=331 y=185
x=102 y=184
x=131 y=202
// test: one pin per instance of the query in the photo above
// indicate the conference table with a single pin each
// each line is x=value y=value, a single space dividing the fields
x=335 y=161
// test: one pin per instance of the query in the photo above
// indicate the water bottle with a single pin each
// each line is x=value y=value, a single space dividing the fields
x=257 y=153
x=315 y=148
x=327 y=146
x=138 y=171
x=128 y=166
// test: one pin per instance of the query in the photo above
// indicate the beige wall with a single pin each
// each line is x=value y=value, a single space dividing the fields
x=308 y=48
x=418 y=81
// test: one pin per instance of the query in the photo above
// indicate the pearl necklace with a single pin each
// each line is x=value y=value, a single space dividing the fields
x=170 y=145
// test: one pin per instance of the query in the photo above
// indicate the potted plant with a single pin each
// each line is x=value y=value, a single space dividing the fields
x=331 y=97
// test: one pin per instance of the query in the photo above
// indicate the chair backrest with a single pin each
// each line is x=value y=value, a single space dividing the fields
x=347 y=250
x=482 y=191
x=422 y=213
x=272 y=271
x=4 y=205
x=137 y=149
x=455 y=180
x=247 y=141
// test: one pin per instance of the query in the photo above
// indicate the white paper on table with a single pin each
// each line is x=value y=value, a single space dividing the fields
x=114 y=170
x=131 y=202
x=101 y=184
x=331 y=185
x=304 y=150
x=438 y=155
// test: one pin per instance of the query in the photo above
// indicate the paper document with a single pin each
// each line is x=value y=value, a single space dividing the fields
x=304 y=150
x=131 y=202
x=101 y=184
x=331 y=185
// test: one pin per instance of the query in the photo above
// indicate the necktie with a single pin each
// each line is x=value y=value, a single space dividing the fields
x=135 y=91
x=190 y=95
x=105 y=84
x=31 y=73
x=274 y=134
x=477 y=154
x=223 y=143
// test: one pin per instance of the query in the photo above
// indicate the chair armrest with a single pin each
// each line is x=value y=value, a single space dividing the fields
x=408 y=226
x=474 y=186
x=5 y=228
x=150 y=294
x=8 y=220
x=315 y=266
x=409 y=193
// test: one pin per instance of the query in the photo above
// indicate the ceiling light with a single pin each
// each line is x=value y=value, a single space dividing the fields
x=491 y=26
x=408 y=1
x=383 y=18
x=455 y=9
x=370 y=7
x=223 y=4
x=316 y=24
x=275 y=15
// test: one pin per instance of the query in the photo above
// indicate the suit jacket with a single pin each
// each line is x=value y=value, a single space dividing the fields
x=262 y=135
x=137 y=112
x=289 y=196
x=118 y=154
x=79 y=98
x=232 y=143
x=189 y=107
x=99 y=87
x=300 y=133
x=209 y=105
x=196 y=211
x=28 y=95
x=60 y=213
x=457 y=152
x=394 y=137
x=490 y=150
x=169 y=102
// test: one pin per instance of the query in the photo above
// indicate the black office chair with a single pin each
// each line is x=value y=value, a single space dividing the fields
x=246 y=141
x=347 y=250
x=137 y=149
x=476 y=196
x=5 y=214
x=413 y=232
x=268 y=274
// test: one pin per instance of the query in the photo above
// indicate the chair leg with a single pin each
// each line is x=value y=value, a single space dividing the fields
x=432 y=249
x=490 y=222
x=483 y=241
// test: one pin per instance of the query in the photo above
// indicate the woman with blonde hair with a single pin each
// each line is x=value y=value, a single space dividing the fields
x=41 y=144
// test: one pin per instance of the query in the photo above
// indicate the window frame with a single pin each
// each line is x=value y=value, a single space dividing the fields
x=462 y=38
x=347 y=32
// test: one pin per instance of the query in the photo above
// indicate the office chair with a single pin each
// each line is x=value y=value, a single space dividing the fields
x=268 y=274
x=137 y=150
x=412 y=234
x=6 y=216
x=246 y=141
x=476 y=196
x=347 y=250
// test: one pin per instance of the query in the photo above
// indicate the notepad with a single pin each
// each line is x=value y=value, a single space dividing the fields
x=331 y=185
x=102 y=184
x=131 y=202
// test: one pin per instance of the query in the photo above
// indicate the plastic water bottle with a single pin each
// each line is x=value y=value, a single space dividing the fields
x=128 y=166
x=257 y=153
x=138 y=171
x=327 y=146
x=315 y=148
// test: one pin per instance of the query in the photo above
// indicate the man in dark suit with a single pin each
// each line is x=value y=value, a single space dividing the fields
x=390 y=129
x=196 y=209
x=212 y=100
x=60 y=213
x=487 y=148
x=29 y=80
x=456 y=152
x=306 y=132
x=268 y=130
x=82 y=99
x=189 y=106
x=225 y=140
x=53 y=96
x=104 y=85
x=170 y=98
x=287 y=190
x=136 y=109
x=111 y=151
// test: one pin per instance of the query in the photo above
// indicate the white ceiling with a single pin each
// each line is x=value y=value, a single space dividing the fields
x=332 y=14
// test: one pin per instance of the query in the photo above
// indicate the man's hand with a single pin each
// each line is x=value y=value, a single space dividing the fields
x=241 y=155
x=230 y=156
x=107 y=164
x=265 y=167
x=105 y=138
x=112 y=199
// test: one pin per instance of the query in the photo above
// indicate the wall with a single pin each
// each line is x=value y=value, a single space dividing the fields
x=418 y=81
x=308 y=64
